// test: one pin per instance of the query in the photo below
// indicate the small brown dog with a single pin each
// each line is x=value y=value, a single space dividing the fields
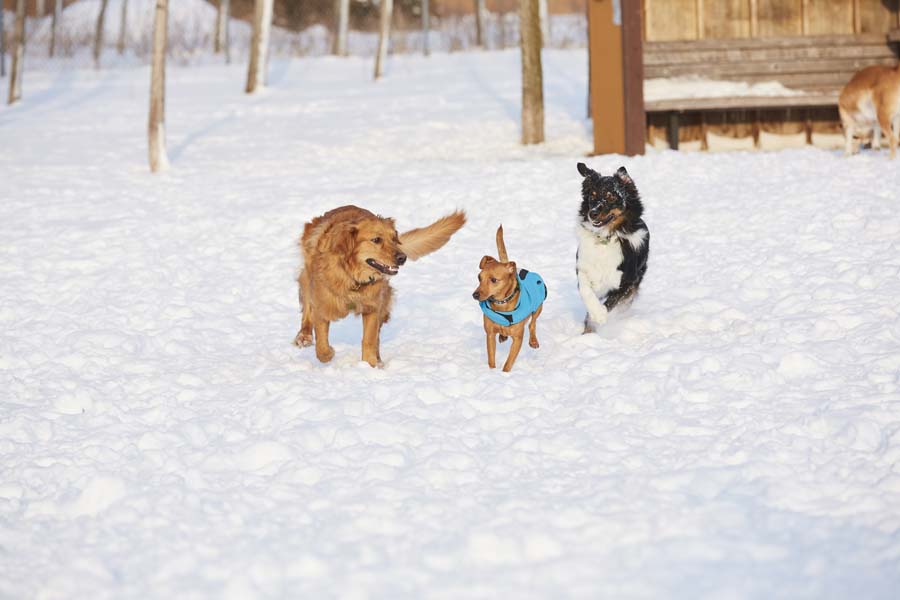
x=871 y=102
x=507 y=298
x=348 y=256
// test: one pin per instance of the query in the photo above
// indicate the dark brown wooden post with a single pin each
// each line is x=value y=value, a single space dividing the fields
x=617 y=76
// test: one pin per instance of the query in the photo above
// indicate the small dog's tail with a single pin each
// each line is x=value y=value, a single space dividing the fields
x=425 y=240
x=501 y=247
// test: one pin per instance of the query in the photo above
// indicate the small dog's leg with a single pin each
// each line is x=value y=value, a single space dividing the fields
x=588 y=326
x=371 y=339
x=513 y=352
x=876 y=138
x=324 y=352
x=532 y=328
x=491 y=350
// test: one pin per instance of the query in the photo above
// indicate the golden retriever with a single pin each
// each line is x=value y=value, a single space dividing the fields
x=349 y=255
x=870 y=103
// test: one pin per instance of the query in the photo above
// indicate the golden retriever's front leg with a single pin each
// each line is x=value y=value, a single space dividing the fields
x=324 y=352
x=371 y=341
x=305 y=335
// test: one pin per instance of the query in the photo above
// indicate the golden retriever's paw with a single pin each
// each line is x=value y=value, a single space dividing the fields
x=534 y=343
x=374 y=362
x=303 y=339
x=325 y=355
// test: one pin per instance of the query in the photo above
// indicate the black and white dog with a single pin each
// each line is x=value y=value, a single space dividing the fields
x=613 y=243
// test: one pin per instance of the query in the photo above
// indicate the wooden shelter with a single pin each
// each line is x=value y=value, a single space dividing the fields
x=812 y=47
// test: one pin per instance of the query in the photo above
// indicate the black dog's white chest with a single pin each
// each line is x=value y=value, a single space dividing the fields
x=599 y=261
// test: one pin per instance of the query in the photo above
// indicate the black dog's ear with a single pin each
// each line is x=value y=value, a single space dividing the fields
x=584 y=169
x=623 y=175
x=485 y=260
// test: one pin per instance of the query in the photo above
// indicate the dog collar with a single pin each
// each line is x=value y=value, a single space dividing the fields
x=508 y=298
x=360 y=284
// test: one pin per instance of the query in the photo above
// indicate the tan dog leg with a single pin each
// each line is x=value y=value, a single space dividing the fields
x=305 y=335
x=371 y=340
x=324 y=352
x=514 y=351
x=491 y=349
x=532 y=328
x=884 y=120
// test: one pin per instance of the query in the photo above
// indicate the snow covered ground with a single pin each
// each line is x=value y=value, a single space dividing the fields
x=736 y=434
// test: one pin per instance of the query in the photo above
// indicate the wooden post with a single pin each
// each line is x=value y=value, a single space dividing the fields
x=617 y=76
x=532 y=72
x=857 y=17
x=156 y=123
x=18 y=54
x=384 y=36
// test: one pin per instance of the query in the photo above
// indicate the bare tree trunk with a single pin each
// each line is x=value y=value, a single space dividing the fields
x=54 y=20
x=532 y=76
x=2 y=43
x=156 y=126
x=18 y=54
x=384 y=36
x=98 y=37
x=342 y=8
x=259 y=46
x=222 y=18
x=479 y=23
x=545 y=23
x=426 y=20
x=123 y=28
x=40 y=8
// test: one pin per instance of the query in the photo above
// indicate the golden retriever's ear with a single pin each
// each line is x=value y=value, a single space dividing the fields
x=485 y=260
x=340 y=239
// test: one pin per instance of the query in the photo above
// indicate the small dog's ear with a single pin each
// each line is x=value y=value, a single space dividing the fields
x=584 y=169
x=485 y=260
x=511 y=266
x=623 y=175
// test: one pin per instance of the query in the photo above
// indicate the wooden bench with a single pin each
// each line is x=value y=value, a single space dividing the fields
x=816 y=65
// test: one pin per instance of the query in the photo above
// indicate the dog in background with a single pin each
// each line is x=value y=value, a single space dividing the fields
x=349 y=256
x=613 y=243
x=870 y=104
x=508 y=297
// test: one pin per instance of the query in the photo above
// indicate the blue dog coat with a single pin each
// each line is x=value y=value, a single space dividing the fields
x=533 y=293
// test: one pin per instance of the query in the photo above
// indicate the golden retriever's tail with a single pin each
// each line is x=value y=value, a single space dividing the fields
x=425 y=240
x=501 y=247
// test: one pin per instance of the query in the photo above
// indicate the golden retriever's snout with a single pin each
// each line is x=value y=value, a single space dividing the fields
x=401 y=259
x=476 y=295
